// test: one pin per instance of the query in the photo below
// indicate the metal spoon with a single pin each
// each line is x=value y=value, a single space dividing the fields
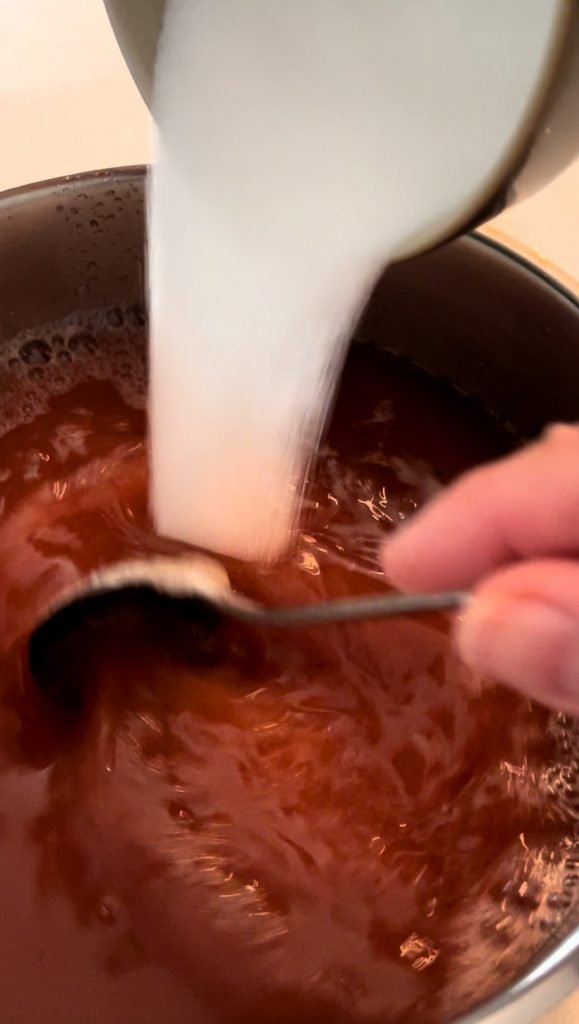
x=201 y=579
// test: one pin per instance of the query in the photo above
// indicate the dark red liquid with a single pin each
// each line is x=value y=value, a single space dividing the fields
x=333 y=825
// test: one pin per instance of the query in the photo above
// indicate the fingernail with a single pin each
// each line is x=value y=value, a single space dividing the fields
x=526 y=644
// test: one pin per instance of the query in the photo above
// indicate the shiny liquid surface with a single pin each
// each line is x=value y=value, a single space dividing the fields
x=336 y=825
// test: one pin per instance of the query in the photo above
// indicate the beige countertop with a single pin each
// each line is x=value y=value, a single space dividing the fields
x=67 y=104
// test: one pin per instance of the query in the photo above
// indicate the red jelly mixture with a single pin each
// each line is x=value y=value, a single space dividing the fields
x=210 y=825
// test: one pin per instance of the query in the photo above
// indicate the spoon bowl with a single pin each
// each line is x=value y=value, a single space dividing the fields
x=199 y=586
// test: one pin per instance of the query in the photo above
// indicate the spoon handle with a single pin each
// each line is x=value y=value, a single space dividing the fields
x=349 y=609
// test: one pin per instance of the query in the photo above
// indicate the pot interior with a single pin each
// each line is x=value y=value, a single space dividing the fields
x=469 y=313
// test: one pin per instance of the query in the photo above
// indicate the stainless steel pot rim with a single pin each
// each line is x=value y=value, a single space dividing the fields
x=65 y=182
x=138 y=172
x=539 y=970
x=562 y=952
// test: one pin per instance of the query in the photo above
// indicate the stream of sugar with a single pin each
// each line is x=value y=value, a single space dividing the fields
x=300 y=147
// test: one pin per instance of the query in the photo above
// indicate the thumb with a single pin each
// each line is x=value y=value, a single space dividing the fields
x=522 y=628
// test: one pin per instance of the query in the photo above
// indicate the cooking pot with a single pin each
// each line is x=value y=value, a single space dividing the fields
x=472 y=313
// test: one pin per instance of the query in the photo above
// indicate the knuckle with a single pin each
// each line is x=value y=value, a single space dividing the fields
x=560 y=434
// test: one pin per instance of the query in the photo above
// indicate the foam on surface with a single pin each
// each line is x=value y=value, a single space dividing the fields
x=51 y=360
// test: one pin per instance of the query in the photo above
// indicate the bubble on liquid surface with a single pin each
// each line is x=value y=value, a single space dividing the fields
x=136 y=316
x=36 y=351
x=82 y=341
x=115 y=316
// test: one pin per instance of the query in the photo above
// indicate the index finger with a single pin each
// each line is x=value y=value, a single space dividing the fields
x=526 y=505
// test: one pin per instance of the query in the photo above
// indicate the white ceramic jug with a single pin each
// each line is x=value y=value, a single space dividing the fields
x=542 y=144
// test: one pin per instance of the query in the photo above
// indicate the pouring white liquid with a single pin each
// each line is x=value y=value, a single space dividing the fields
x=301 y=146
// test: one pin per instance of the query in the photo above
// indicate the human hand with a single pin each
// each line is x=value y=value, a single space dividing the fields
x=508 y=531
